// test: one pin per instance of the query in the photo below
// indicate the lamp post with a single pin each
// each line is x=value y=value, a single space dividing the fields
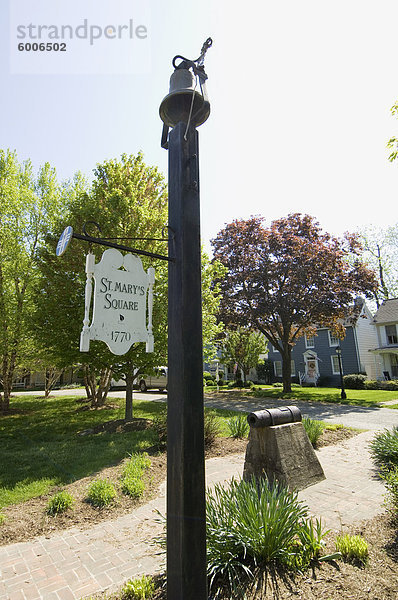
x=343 y=395
x=183 y=109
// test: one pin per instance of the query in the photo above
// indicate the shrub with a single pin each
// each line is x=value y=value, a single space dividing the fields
x=207 y=376
x=132 y=482
x=238 y=427
x=390 y=479
x=355 y=381
x=101 y=493
x=253 y=523
x=384 y=448
x=159 y=425
x=372 y=384
x=278 y=384
x=314 y=430
x=138 y=589
x=389 y=385
x=212 y=428
x=353 y=548
x=59 y=503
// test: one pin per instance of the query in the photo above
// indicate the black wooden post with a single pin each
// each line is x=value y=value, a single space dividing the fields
x=343 y=395
x=186 y=522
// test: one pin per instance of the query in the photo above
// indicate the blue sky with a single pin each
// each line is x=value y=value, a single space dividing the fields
x=300 y=95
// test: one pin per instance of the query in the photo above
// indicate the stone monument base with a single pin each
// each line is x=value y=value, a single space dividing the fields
x=283 y=453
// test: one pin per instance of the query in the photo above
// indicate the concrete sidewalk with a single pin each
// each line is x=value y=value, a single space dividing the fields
x=74 y=563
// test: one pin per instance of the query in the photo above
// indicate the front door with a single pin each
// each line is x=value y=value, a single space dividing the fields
x=311 y=367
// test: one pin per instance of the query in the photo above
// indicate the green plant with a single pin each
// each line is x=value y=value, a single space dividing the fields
x=314 y=430
x=372 y=384
x=141 y=588
x=101 y=493
x=59 y=503
x=132 y=482
x=212 y=428
x=3 y=518
x=384 y=448
x=133 y=487
x=389 y=385
x=159 y=425
x=252 y=523
x=353 y=548
x=354 y=381
x=278 y=384
x=390 y=478
x=238 y=427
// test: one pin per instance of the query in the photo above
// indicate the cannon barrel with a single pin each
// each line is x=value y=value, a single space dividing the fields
x=274 y=416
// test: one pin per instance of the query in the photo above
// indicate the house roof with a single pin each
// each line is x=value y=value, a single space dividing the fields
x=388 y=312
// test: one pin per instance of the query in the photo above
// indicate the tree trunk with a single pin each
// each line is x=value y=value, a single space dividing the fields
x=89 y=383
x=52 y=376
x=103 y=388
x=381 y=274
x=287 y=369
x=7 y=377
x=128 y=416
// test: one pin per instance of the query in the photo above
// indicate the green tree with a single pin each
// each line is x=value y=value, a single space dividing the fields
x=212 y=274
x=29 y=204
x=380 y=253
x=129 y=200
x=243 y=347
x=392 y=143
x=285 y=279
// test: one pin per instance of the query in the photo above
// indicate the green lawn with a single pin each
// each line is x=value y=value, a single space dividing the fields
x=41 y=448
x=315 y=394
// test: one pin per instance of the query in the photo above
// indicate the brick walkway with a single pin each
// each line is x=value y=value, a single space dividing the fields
x=74 y=563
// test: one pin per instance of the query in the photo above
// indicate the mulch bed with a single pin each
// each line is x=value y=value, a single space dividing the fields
x=29 y=519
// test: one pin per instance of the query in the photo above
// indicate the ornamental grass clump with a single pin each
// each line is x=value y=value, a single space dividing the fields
x=384 y=448
x=212 y=428
x=141 y=588
x=353 y=548
x=314 y=430
x=59 y=503
x=251 y=524
x=238 y=427
x=390 y=478
x=132 y=482
x=101 y=492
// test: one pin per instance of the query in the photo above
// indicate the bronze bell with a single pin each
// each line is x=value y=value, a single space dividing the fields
x=176 y=106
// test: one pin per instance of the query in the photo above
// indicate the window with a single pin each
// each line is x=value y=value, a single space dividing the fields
x=278 y=368
x=335 y=365
x=391 y=334
x=309 y=341
x=333 y=340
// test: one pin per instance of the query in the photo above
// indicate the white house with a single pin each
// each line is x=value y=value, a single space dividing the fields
x=386 y=351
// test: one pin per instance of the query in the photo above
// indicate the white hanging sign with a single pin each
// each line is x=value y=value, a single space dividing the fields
x=121 y=287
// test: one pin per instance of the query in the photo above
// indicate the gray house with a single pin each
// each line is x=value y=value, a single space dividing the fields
x=314 y=359
x=385 y=352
